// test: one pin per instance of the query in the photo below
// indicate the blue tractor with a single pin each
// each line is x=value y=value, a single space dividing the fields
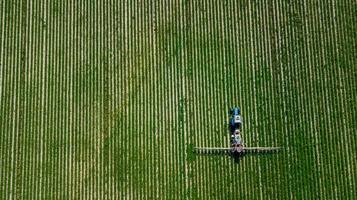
x=235 y=121
x=237 y=147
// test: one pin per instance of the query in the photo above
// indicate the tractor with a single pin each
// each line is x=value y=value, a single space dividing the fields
x=237 y=148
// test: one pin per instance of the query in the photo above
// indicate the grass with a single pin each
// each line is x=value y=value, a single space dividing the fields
x=107 y=100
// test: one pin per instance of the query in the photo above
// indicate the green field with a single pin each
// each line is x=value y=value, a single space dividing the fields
x=106 y=99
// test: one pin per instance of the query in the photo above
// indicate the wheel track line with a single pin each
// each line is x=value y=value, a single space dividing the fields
x=26 y=110
x=268 y=56
x=186 y=95
x=43 y=104
x=239 y=40
x=63 y=62
x=295 y=73
x=16 y=104
x=264 y=86
x=242 y=70
x=312 y=92
x=162 y=50
x=277 y=12
x=106 y=9
x=2 y=53
x=231 y=68
x=32 y=76
x=61 y=163
x=212 y=92
x=248 y=93
x=201 y=107
x=245 y=92
x=180 y=94
x=343 y=104
x=306 y=83
x=236 y=23
x=76 y=126
x=92 y=180
x=253 y=65
x=190 y=64
x=70 y=94
x=112 y=96
x=252 y=95
x=188 y=22
x=202 y=104
x=337 y=53
x=98 y=87
x=205 y=91
x=342 y=89
x=100 y=145
x=84 y=114
x=127 y=25
x=2 y=69
x=139 y=40
x=293 y=100
x=321 y=84
x=200 y=56
x=179 y=63
x=161 y=59
x=55 y=119
x=322 y=62
x=50 y=106
x=197 y=56
x=136 y=100
x=49 y=101
x=143 y=128
x=80 y=46
x=318 y=93
x=142 y=143
x=7 y=101
x=132 y=45
x=223 y=82
x=120 y=140
x=153 y=101
x=13 y=124
x=330 y=40
x=297 y=99
x=270 y=25
x=272 y=61
x=66 y=132
x=152 y=107
x=222 y=102
x=221 y=89
x=210 y=57
x=36 y=170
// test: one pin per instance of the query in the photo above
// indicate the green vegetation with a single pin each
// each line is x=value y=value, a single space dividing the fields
x=107 y=100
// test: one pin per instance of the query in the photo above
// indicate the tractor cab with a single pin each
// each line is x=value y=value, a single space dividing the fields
x=236 y=111
x=236 y=119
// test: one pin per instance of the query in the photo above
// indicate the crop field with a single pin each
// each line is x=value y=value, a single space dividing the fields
x=107 y=99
